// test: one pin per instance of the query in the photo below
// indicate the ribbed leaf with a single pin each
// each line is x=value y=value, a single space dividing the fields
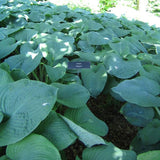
x=56 y=72
x=108 y=152
x=155 y=155
x=95 y=38
x=5 y=77
x=33 y=147
x=72 y=95
x=94 y=79
x=85 y=46
x=27 y=61
x=141 y=91
x=121 y=68
x=7 y=46
x=150 y=134
x=36 y=16
x=25 y=104
x=4 y=158
x=91 y=25
x=18 y=74
x=89 y=139
x=87 y=120
x=137 y=115
x=151 y=72
x=25 y=35
x=1 y=116
x=56 y=131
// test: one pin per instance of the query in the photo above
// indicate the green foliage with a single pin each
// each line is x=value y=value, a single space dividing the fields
x=43 y=103
x=106 y=4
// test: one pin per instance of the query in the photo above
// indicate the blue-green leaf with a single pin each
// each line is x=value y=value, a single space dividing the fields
x=27 y=61
x=149 y=155
x=88 y=138
x=94 y=79
x=151 y=72
x=33 y=147
x=150 y=134
x=7 y=46
x=141 y=91
x=137 y=115
x=121 y=68
x=56 y=72
x=36 y=16
x=5 y=77
x=87 y=120
x=25 y=104
x=56 y=131
x=1 y=116
x=85 y=46
x=25 y=34
x=72 y=95
x=108 y=152
x=95 y=38
x=56 y=45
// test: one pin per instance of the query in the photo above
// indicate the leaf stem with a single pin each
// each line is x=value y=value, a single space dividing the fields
x=41 y=69
x=35 y=76
x=158 y=111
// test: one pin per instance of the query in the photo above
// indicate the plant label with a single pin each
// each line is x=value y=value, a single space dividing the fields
x=78 y=65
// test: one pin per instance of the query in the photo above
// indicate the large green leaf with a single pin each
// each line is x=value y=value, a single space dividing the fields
x=87 y=120
x=108 y=152
x=27 y=61
x=4 y=158
x=95 y=38
x=56 y=45
x=71 y=78
x=137 y=115
x=141 y=91
x=88 y=138
x=94 y=79
x=7 y=46
x=1 y=116
x=87 y=56
x=56 y=131
x=56 y=72
x=33 y=147
x=25 y=34
x=85 y=46
x=151 y=72
x=128 y=45
x=3 y=2
x=150 y=134
x=149 y=58
x=150 y=155
x=18 y=74
x=139 y=147
x=3 y=15
x=25 y=104
x=91 y=25
x=72 y=95
x=37 y=16
x=121 y=68
x=5 y=77
x=3 y=33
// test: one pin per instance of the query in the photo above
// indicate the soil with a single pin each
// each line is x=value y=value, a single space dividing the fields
x=121 y=132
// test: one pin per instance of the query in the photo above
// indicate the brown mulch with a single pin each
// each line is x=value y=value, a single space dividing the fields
x=121 y=133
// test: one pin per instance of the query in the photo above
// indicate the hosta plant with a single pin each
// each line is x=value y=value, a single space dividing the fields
x=43 y=104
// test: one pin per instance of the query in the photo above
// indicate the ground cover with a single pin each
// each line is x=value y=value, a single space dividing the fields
x=49 y=111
